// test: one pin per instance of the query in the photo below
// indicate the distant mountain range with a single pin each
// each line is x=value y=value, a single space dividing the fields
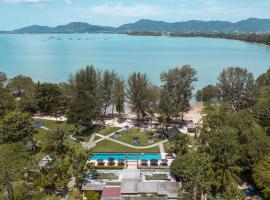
x=251 y=25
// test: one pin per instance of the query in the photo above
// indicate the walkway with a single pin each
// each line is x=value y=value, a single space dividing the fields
x=126 y=144
x=162 y=151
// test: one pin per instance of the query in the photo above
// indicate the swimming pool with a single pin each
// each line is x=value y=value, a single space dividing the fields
x=129 y=156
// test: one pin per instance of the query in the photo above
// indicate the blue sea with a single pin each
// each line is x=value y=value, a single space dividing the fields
x=53 y=57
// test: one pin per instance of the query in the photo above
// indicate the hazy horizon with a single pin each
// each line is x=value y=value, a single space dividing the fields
x=20 y=13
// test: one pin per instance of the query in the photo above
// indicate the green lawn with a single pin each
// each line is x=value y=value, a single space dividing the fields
x=157 y=177
x=106 y=146
x=96 y=138
x=107 y=176
x=167 y=147
x=108 y=130
x=127 y=137
x=54 y=124
x=192 y=141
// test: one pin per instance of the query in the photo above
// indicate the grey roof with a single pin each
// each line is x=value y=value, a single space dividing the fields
x=168 y=189
x=131 y=174
x=129 y=186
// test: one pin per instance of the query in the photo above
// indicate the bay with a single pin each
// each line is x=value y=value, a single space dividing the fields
x=53 y=57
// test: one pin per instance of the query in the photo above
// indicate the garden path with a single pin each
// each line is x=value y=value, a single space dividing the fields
x=108 y=137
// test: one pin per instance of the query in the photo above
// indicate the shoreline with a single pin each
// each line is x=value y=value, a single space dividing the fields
x=224 y=36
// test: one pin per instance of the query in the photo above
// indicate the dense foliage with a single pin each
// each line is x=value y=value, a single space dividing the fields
x=232 y=146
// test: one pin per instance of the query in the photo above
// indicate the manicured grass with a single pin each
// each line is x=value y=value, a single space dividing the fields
x=108 y=130
x=157 y=177
x=96 y=138
x=41 y=135
x=167 y=147
x=106 y=146
x=107 y=176
x=127 y=137
x=54 y=124
x=192 y=141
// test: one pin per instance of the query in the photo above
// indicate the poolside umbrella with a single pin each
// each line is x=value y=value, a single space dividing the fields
x=154 y=161
x=164 y=162
x=121 y=162
x=99 y=160
x=111 y=159
x=144 y=162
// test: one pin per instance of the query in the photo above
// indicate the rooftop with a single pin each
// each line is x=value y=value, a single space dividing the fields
x=111 y=193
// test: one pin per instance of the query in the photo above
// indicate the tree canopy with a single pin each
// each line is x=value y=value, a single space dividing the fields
x=137 y=93
x=195 y=171
x=261 y=175
x=15 y=126
x=237 y=87
x=177 y=86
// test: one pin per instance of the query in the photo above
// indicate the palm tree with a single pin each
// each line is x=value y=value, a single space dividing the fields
x=261 y=175
x=179 y=143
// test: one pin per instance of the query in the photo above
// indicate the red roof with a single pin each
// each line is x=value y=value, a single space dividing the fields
x=111 y=192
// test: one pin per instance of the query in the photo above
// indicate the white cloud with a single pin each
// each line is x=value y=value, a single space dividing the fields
x=135 y=10
x=26 y=1
x=68 y=1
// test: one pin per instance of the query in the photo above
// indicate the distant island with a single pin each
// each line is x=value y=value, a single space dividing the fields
x=251 y=25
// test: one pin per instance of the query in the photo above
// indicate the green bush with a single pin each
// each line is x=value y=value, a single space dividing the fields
x=92 y=195
x=109 y=167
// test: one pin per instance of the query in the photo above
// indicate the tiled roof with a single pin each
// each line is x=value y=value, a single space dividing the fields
x=112 y=193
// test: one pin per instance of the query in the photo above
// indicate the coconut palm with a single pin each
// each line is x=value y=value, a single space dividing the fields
x=179 y=143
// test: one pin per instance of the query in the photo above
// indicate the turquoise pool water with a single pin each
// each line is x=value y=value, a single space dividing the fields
x=106 y=156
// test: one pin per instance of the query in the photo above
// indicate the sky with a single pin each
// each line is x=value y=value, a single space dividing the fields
x=19 y=13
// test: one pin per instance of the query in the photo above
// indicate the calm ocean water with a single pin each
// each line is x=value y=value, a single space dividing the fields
x=54 y=57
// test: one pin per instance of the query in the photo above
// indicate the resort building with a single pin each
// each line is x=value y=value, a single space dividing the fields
x=134 y=184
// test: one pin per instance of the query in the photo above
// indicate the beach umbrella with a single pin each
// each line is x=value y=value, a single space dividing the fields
x=99 y=160
x=111 y=159
x=120 y=160
x=153 y=160
x=164 y=161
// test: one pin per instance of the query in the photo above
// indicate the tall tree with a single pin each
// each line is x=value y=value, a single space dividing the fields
x=3 y=77
x=78 y=166
x=119 y=96
x=86 y=104
x=13 y=160
x=179 y=144
x=22 y=84
x=237 y=87
x=153 y=101
x=7 y=102
x=264 y=79
x=137 y=94
x=195 y=171
x=261 y=175
x=55 y=142
x=107 y=87
x=47 y=97
x=177 y=86
x=225 y=150
x=208 y=93
x=15 y=126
